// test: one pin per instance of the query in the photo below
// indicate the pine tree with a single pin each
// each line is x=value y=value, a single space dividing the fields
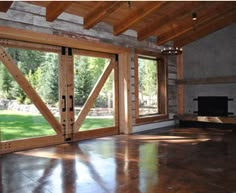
x=84 y=81
x=6 y=82
x=49 y=79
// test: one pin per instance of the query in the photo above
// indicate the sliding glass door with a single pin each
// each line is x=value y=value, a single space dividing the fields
x=95 y=91
x=51 y=94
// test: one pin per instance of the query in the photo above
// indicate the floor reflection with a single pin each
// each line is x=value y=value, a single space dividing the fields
x=148 y=167
x=190 y=160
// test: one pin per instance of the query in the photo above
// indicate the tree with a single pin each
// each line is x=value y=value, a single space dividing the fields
x=87 y=72
x=18 y=93
x=147 y=78
x=39 y=68
x=48 y=78
x=105 y=98
x=83 y=80
x=28 y=62
x=6 y=82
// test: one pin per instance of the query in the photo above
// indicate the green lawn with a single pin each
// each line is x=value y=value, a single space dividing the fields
x=16 y=125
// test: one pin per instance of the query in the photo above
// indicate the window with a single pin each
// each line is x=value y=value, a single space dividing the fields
x=150 y=87
x=19 y=117
x=88 y=68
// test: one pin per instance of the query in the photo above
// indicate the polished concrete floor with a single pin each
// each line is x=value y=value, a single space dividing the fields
x=178 y=161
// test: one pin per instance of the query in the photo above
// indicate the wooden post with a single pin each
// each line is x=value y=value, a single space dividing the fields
x=66 y=93
x=162 y=89
x=62 y=89
x=180 y=88
x=124 y=94
x=116 y=94
x=70 y=95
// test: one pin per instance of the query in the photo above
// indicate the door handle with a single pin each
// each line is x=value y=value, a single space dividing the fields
x=64 y=99
x=72 y=103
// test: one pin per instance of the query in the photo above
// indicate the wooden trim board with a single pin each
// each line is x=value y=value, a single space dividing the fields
x=226 y=120
x=125 y=117
x=180 y=88
x=29 y=45
x=22 y=144
x=209 y=80
x=83 y=135
x=49 y=39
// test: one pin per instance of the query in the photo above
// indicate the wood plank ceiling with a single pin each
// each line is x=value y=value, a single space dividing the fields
x=166 y=20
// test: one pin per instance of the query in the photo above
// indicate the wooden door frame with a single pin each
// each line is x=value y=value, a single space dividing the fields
x=66 y=92
x=44 y=40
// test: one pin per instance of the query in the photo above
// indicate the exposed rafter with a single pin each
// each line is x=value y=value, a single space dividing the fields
x=167 y=20
x=103 y=9
x=5 y=5
x=55 y=8
x=204 y=30
x=135 y=16
x=205 y=17
x=175 y=13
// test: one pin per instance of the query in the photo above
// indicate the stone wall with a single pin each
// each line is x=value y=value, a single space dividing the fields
x=15 y=106
x=4 y=104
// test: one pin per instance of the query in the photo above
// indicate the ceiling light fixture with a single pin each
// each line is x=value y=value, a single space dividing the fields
x=171 y=51
x=194 y=16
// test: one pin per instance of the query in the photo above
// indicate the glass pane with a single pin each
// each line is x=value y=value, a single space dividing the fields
x=87 y=72
x=102 y=113
x=148 y=87
x=19 y=118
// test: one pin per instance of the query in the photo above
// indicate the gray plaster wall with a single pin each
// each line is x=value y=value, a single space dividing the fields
x=211 y=56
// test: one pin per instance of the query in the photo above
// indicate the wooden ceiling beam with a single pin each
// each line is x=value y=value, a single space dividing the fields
x=177 y=10
x=205 y=16
x=135 y=16
x=102 y=10
x=55 y=8
x=5 y=5
x=199 y=32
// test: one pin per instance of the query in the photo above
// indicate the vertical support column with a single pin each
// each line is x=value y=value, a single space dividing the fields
x=62 y=88
x=180 y=87
x=125 y=117
x=162 y=88
x=116 y=92
x=69 y=95
x=66 y=92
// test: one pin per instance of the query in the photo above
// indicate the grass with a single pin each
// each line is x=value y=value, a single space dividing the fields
x=17 y=125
